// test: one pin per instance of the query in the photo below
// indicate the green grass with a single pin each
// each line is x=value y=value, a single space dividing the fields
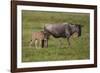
x=35 y=20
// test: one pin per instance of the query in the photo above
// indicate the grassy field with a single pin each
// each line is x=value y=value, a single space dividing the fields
x=35 y=20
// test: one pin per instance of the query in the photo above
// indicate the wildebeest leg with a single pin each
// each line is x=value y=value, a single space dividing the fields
x=68 y=43
x=68 y=34
x=42 y=44
x=45 y=43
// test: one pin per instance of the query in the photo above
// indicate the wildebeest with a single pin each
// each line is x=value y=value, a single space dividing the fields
x=37 y=39
x=64 y=30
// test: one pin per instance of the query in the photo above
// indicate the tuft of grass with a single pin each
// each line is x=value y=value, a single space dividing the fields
x=35 y=21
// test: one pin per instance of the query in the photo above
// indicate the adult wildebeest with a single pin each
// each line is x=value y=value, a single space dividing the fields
x=64 y=30
x=37 y=39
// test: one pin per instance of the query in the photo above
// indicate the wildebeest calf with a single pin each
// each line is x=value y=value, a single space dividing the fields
x=37 y=39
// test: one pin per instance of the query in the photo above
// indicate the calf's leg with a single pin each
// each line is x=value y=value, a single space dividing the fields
x=36 y=43
x=30 y=44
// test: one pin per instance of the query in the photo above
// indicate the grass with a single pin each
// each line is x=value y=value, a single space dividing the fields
x=35 y=20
